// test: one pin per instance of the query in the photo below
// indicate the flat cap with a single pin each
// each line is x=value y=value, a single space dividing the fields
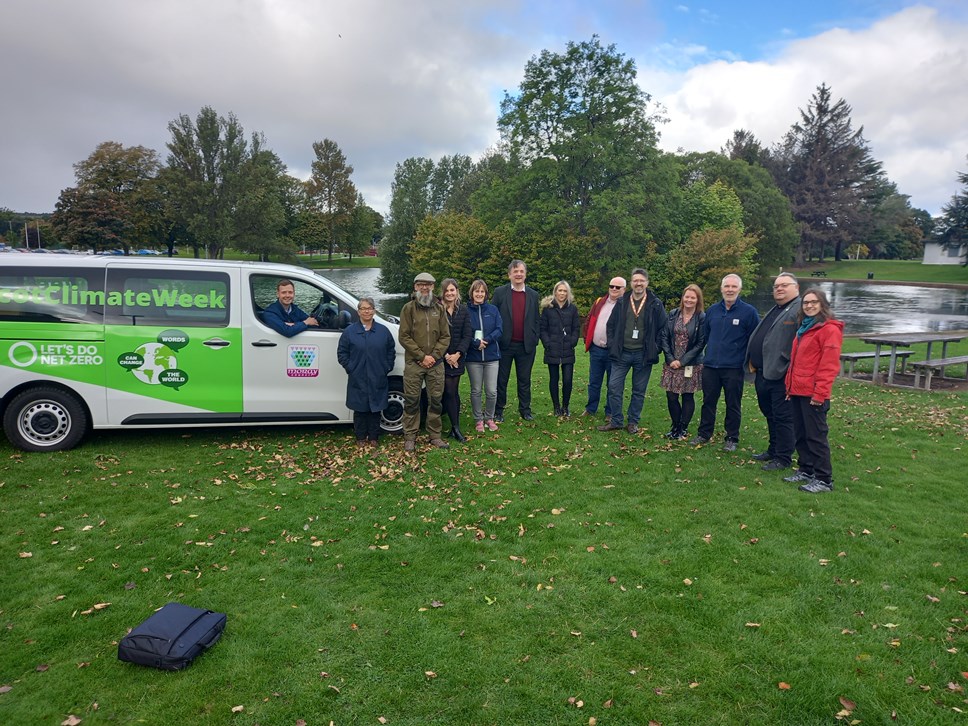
x=424 y=277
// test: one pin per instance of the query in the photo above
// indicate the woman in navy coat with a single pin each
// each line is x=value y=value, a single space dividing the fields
x=367 y=352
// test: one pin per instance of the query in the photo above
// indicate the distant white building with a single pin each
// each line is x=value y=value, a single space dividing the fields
x=935 y=254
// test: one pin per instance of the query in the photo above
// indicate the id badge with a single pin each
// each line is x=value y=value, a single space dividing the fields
x=635 y=334
x=735 y=321
x=478 y=335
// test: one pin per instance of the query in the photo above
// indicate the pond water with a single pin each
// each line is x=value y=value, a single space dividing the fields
x=864 y=307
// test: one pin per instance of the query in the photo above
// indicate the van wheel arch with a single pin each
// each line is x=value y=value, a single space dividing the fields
x=45 y=418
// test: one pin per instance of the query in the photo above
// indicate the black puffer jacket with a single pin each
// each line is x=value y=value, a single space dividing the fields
x=560 y=333
x=460 y=338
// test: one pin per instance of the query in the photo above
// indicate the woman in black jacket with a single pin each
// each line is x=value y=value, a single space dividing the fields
x=460 y=341
x=560 y=331
x=683 y=340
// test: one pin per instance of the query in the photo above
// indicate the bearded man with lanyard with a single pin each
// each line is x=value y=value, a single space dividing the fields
x=633 y=332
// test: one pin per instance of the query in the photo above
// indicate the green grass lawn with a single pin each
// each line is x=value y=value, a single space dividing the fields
x=545 y=574
x=892 y=270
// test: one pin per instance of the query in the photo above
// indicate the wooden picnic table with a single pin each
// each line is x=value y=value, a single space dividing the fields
x=906 y=340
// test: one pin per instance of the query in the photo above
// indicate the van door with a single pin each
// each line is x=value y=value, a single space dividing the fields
x=295 y=378
x=174 y=347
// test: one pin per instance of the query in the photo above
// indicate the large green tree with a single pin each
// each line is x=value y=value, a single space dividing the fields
x=331 y=190
x=410 y=203
x=116 y=201
x=766 y=213
x=580 y=130
x=214 y=174
x=833 y=182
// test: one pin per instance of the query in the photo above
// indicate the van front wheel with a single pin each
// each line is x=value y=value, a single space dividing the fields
x=391 y=420
x=45 y=419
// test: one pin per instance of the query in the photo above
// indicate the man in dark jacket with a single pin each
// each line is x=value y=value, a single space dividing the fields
x=284 y=316
x=518 y=305
x=729 y=324
x=768 y=356
x=634 y=339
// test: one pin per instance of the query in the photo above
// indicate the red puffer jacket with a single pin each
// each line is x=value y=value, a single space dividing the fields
x=815 y=361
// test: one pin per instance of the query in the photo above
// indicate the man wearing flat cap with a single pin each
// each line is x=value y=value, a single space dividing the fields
x=425 y=336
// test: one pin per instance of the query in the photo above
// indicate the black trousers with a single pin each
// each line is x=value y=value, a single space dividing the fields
x=366 y=425
x=567 y=377
x=771 y=397
x=523 y=363
x=728 y=381
x=810 y=427
x=451 y=400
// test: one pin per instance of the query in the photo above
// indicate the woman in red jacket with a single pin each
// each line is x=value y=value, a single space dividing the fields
x=814 y=364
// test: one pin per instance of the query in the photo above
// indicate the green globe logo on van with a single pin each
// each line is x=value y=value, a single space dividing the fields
x=156 y=363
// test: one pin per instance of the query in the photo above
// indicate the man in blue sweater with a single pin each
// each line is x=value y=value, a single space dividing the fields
x=729 y=325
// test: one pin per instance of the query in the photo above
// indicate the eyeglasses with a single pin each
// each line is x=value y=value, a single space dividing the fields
x=615 y=287
x=782 y=285
x=810 y=302
x=365 y=309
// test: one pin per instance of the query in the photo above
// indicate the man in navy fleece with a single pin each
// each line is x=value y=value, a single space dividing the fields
x=729 y=325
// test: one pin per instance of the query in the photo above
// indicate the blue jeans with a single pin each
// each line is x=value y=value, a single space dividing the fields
x=599 y=368
x=616 y=386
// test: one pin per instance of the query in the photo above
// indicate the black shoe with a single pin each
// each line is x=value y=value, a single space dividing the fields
x=498 y=418
x=765 y=456
x=526 y=416
x=565 y=412
x=632 y=428
x=455 y=433
x=698 y=440
x=558 y=411
x=797 y=476
x=775 y=465
x=729 y=445
x=816 y=486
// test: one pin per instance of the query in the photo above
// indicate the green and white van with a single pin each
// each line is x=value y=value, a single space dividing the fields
x=108 y=342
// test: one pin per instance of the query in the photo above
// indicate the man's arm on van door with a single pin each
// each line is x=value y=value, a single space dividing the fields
x=273 y=317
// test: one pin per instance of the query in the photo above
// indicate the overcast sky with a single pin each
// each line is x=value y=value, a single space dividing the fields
x=391 y=79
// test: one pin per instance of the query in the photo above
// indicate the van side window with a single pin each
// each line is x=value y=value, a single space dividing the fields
x=43 y=295
x=186 y=298
x=332 y=312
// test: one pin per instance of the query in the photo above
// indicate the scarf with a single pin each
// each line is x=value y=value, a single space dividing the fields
x=806 y=325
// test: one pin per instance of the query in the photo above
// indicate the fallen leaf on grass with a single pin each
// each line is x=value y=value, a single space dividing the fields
x=784 y=686
x=381 y=719
x=932 y=598
x=954 y=687
x=436 y=604
x=5 y=689
x=97 y=606
x=687 y=581
x=847 y=703
x=238 y=709
x=608 y=704
x=752 y=625
x=430 y=674
x=71 y=720
x=42 y=667
x=25 y=555
x=634 y=633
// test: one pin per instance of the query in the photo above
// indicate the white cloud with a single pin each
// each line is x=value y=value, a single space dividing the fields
x=904 y=78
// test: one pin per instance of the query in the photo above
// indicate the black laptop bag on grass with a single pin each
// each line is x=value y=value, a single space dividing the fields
x=172 y=637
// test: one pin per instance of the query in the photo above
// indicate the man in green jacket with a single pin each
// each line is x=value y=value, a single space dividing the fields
x=425 y=336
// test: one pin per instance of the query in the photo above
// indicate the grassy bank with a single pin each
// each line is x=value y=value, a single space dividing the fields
x=893 y=270
x=548 y=573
